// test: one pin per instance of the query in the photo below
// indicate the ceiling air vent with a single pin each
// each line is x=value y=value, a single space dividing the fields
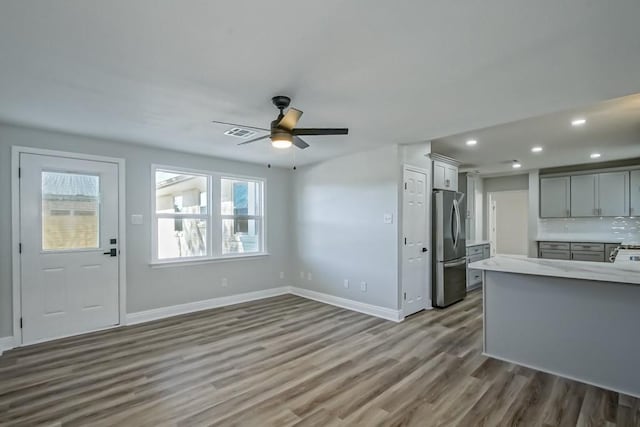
x=240 y=133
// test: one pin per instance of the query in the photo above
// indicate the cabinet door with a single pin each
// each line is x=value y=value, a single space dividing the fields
x=613 y=194
x=451 y=177
x=554 y=197
x=439 y=175
x=583 y=195
x=635 y=192
x=471 y=208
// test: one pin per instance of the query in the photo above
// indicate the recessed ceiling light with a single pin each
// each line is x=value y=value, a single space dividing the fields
x=595 y=155
x=472 y=142
x=536 y=149
x=516 y=165
x=578 y=122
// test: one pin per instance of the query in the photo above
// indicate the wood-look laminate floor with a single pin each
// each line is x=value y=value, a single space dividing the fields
x=288 y=361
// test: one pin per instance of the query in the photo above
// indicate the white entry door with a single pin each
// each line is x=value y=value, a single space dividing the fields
x=69 y=240
x=414 y=253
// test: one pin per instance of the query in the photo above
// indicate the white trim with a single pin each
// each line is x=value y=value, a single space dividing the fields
x=558 y=374
x=15 y=228
x=177 y=262
x=6 y=343
x=361 y=307
x=191 y=307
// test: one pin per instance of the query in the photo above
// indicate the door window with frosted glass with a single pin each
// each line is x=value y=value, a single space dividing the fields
x=70 y=211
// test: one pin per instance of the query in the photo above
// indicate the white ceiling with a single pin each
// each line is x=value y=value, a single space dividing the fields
x=156 y=71
x=612 y=129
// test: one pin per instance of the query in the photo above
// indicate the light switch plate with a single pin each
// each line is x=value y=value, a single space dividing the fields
x=136 y=219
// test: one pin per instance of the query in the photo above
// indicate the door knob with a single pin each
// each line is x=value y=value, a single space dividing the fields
x=112 y=252
x=424 y=249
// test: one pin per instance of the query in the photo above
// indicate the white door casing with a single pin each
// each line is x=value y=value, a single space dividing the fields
x=68 y=284
x=415 y=281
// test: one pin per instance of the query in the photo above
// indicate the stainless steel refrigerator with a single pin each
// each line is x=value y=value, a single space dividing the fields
x=449 y=249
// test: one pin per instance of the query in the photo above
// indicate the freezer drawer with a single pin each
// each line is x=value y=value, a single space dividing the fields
x=450 y=284
x=587 y=256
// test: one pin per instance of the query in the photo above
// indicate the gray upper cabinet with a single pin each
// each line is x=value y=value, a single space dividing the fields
x=613 y=194
x=584 y=201
x=554 y=197
x=635 y=193
x=445 y=176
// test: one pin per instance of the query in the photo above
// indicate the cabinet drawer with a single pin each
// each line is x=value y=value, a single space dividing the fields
x=475 y=257
x=587 y=256
x=486 y=251
x=474 y=250
x=587 y=247
x=474 y=277
x=556 y=246
x=555 y=254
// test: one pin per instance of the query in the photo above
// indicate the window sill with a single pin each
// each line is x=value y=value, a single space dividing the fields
x=196 y=261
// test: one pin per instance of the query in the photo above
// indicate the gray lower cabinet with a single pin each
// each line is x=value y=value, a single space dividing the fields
x=576 y=251
x=476 y=253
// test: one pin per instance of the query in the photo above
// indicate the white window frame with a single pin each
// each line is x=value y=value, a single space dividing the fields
x=213 y=217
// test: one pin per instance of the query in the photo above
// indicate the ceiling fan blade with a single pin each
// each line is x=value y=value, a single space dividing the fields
x=290 y=120
x=254 y=140
x=298 y=142
x=239 y=126
x=320 y=131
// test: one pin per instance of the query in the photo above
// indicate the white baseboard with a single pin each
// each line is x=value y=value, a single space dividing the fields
x=6 y=343
x=191 y=307
x=372 y=310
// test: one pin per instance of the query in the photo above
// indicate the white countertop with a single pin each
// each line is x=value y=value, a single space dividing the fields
x=476 y=243
x=580 y=238
x=600 y=271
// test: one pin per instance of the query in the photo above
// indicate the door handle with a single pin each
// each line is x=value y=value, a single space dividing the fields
x=112 y=252
x=424 y=249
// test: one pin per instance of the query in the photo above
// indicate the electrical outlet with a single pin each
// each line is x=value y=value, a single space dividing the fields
x=282 y=274
x=309 y=276
x=346 y=283
x=302 y=274
x=225 y=282
x=363 y=286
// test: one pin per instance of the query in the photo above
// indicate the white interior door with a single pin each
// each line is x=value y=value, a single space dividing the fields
x=414 y=225
x=68 y=220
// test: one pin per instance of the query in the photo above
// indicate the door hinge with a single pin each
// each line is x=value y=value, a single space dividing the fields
x=405 y=296
x=405 y=185
x=19 y=172
x=405 y=240
x=21 y=323
x=19 y=248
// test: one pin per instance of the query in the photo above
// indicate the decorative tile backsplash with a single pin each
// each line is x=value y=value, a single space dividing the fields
x=621 y=228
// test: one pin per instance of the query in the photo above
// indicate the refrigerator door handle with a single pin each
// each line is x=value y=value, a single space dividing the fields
x=455 y=220
x=458 y=225
x=455 y=263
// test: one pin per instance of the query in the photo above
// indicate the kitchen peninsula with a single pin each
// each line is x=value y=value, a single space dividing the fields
x=578 y=320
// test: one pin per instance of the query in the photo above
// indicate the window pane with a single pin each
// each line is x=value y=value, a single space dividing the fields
x=181 y=237
x=70 y=211
x=177 y=192
x=241 y=197
x=240 y=236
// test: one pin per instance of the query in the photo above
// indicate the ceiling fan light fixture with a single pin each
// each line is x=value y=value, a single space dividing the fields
x=282 y=141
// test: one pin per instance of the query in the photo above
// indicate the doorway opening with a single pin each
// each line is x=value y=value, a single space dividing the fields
x=508 y=222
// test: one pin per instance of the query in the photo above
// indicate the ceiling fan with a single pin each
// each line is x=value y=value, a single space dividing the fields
x=283 y=131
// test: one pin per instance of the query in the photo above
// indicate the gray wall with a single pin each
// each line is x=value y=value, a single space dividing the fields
x=148 y=287
x=340 y=233
x=502 y=183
